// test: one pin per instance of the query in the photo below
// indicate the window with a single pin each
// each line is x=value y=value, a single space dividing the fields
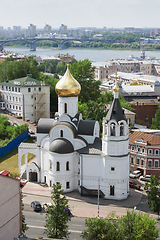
x=15 y=89
x=156 y=163
x=61 y=133
x=78 y=170
x=18 y=89
x=10 y=97
x=142 y=162
x=29 y=89
x=39 y=89
x=6 y=88
x=2 y=87
x=137 y=160
x=121 y=129
x=16 y=99
x=10 y=106
x=132 y=160
x=112 y=129
x=143 y=150
x=132 y=148
x=65 y=108
x=57 y=183
x=138 y=149
x=13 y=98
x=67 y=185
x=57 y=166
x=67 y=166
x=19 y=99
x=34 y=89
x=78 y=182
x=157 y=152
x=149 y=163
x=50 y=184
x=150 y=151
x=112 y=169
x=50 y=165
x=19 y=108
x=111 y=190
x=16 y=107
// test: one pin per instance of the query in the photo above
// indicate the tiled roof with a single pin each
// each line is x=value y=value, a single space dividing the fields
x=150 y=139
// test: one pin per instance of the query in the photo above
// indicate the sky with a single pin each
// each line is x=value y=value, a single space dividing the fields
x=80 y=13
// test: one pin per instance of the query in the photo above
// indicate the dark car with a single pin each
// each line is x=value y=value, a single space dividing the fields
x=133 y=184
x=36 y=206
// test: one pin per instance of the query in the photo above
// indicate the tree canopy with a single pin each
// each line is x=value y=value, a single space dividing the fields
x=156 y=119
x=57 y=218
x=132 y=226
x=83 y=72
x=10 y=69
x=153 y=194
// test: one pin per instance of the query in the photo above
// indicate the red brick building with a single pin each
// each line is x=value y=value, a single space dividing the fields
x=144 y=151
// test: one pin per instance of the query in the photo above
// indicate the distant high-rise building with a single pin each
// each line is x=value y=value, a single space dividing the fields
x=31 y=30
x=16 y=28
x=47 y=28
x=63 y=28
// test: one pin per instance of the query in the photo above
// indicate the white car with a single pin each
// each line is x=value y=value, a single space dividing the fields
x=145 y=178
x=46 y=205
x=135 y=174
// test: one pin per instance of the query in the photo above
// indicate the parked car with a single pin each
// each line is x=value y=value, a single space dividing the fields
x=14 y=124
x=46 y=205
x=133 y=184
x=32 y=134
x=135 y=174
x=145 y=178
x=36 y=206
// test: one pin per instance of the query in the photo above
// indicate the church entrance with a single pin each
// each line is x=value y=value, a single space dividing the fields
x=32 y=176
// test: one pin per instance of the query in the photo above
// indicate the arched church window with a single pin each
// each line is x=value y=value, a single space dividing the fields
x=121 y=129
x=50 y=165
x=65 y=108
x=61 y=133
x=57 y=166
x=111 y=190
x=67 y=166
x=112 y=129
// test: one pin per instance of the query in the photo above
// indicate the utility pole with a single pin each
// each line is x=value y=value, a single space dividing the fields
x=98 y=194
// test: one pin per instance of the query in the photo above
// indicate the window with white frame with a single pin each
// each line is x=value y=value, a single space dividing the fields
x=142 y=162
x=138 y=149
x=143 y=150
x=150 y=151
x=67 y=185
x=50 y=165
x=132 y=160
x=149 y=163
x=157 y=152
x=156 y=163
x=137 y=161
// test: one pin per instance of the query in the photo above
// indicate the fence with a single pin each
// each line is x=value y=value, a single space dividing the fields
x=13 y=144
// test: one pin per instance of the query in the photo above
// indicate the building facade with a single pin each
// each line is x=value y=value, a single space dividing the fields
x=145 y=153
x=26 y=98
x=10 y=208
x=69 y=150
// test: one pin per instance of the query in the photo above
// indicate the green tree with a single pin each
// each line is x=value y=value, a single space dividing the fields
x=24 y=225
x=156 y=119
x=132 y=226
x=102 y=229
x=153 y=194
x=125 y=104
x=83 y=72
x=61 y=67
x=136 y=225
x=57 y=218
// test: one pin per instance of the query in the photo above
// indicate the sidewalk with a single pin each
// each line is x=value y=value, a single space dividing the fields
x=82 y=206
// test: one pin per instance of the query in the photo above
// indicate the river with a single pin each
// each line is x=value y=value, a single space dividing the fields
x=80 y=54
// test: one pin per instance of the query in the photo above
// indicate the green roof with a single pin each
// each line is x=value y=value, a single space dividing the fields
x=25 y=82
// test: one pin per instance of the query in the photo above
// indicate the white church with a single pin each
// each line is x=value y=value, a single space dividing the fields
x=69 y=150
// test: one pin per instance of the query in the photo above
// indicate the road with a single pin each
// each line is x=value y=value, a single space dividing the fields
x=36 y=222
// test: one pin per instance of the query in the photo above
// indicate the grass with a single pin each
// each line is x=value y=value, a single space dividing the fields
x=9 y=161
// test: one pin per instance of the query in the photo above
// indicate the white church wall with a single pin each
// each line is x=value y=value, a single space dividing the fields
x=71 y=105
x=55 y=132
x=40 y=137
x=89 y=139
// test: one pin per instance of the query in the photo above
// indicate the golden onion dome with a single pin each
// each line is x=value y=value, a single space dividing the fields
x=116 y=88
x=68 y=86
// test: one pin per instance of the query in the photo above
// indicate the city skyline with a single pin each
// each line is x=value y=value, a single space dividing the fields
x=84 y=13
